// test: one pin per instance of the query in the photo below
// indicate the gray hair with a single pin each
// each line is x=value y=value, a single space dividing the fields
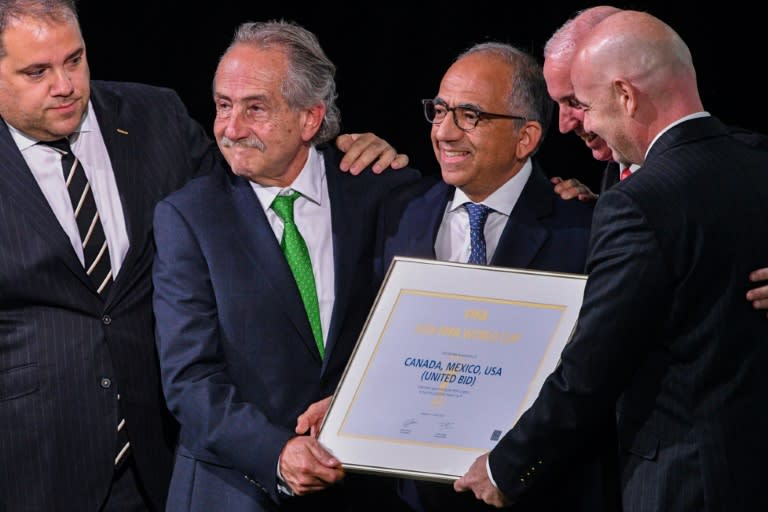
x=58 y=11
x=528 y=96
x=563 y=43
x=310 y=76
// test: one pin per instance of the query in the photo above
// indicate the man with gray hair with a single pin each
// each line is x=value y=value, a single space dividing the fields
x=263 y=281
x=82 y=164
x=488 y=120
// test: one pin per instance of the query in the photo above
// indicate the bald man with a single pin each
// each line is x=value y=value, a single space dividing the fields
x=559 y=52
x=664 y=329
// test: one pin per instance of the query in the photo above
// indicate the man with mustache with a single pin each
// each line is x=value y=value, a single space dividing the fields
x=248 y=335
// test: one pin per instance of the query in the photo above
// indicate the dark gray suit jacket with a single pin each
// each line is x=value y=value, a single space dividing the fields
x=65 y=352
x=751 y=139
x=666 y=331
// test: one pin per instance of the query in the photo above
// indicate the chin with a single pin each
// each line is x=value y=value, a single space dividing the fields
x=452 y=176
x=604 y=154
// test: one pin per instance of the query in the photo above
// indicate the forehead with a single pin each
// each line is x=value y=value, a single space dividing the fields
x=40 y=39
x=246 y=70
x=583 y=79
x=557 y=74
x=482 y=79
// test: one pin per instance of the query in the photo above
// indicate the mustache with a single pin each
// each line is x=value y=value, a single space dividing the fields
x=250 y=142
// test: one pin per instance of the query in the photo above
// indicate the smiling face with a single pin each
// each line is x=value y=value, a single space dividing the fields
x=262 y=137
x=480 y=160
x=44 y=77
x=602 y=109
x=557 y=74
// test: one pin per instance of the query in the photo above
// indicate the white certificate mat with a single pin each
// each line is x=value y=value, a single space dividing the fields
x=450 y=357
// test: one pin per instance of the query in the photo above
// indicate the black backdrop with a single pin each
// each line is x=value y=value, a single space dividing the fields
x=390 y=56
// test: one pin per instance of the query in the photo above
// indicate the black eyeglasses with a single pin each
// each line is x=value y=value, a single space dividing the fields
x=465 y=117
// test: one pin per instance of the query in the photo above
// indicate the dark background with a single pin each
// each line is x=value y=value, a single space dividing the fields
x=390 y=56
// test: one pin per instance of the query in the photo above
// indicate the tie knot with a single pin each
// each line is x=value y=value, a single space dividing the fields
x=61 y=145
x=283 y=206
x=625 y=173
x=477 y=214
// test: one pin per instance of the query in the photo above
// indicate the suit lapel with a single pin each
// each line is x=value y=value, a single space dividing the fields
x=524 y=234
x=345 y=229
x=123 y=154
x=18 y=185
x=269 y=263
x=430 y=212
x=610 y=176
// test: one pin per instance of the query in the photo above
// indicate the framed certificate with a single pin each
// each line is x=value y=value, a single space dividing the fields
x=450 y=357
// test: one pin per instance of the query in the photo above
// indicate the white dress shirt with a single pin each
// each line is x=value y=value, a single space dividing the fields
x=452 y=242
x=88 y=146
x=312 y=214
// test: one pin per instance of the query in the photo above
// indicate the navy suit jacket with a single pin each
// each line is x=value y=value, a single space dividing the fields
x=665 y=329
x=239 y=362
x=65 y=352
x=542 y=233
x=545 y=233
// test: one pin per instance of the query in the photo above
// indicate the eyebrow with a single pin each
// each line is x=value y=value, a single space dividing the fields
x=45 y=65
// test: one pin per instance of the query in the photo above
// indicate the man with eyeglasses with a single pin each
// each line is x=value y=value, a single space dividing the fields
x=488 y=120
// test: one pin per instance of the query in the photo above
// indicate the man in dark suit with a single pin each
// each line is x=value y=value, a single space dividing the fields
x=68 y=350
x=663 y=328
x=486 y=159
x=240 y=355
x=559 y=52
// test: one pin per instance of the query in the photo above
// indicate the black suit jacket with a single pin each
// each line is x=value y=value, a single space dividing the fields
x=64 y=352
x=543 y=232
x=665 y=329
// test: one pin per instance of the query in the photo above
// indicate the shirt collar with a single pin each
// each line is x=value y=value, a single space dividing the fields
x=309 y=182
x=24 y=141
x=695 y=115
x=504 y=198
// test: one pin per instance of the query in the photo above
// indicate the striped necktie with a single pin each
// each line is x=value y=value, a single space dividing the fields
x=95 y=250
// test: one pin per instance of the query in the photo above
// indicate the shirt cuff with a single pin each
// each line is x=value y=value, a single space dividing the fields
x=488 y=470
x=282 y=487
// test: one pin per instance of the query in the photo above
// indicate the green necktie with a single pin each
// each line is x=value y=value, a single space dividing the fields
x=297 y=255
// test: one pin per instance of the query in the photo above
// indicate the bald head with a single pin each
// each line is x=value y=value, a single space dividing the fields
x=635 y=76
x=643 y=50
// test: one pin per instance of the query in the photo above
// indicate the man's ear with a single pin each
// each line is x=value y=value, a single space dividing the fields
x=627 y=95
x=529 y=138
x=311 y=120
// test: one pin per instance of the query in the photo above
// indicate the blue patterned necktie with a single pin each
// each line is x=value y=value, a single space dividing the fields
x=297 y=255
x=478 y=213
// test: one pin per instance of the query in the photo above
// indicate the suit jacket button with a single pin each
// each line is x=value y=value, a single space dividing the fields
x=106 y=383
x=106 y=319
